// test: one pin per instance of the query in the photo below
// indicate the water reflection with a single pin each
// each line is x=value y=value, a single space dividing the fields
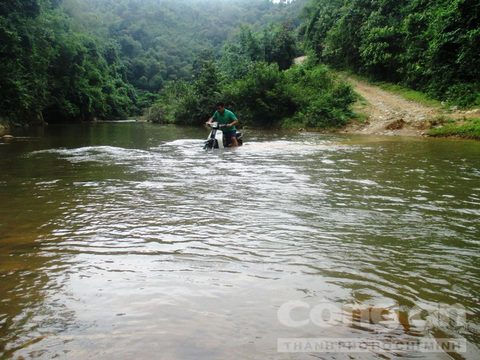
x=30 y=308
x=138 y=242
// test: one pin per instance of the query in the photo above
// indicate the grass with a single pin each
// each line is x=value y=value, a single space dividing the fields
x=359 y=109
x=360 y=117
x=466 y=128
x=410 y=94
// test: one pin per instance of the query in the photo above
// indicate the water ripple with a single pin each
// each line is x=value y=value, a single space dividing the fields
x=153 y=234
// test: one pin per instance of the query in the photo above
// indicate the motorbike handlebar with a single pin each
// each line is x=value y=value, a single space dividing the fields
x=217 y=125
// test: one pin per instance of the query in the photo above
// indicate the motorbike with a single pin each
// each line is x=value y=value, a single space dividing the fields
x=216 y=140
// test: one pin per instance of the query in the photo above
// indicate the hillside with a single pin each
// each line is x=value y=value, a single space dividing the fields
x=159 y=39
x=427 y=45
x=77 y=60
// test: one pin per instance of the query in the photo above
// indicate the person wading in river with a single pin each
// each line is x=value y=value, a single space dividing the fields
x=226 y=117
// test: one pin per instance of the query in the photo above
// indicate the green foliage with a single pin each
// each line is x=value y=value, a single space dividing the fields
x=202 y=94
x=49 y=72
x=379 y=47
x=249 y=76
x=280 y=45
x=159 y=39
x=275 y=44
x=23 y=89
x=262 y=97
x=468 y=128
x=81 y=59
x=322 y=100
x=302 y=96
x=318 y=19
x=188 y=103
x=82 y=84
x=428 y=45
x=410 y=94
x=170 y=103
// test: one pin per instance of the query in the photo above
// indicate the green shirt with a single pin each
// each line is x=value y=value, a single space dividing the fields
x=226 y=118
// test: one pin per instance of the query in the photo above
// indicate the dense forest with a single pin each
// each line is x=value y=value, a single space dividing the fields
x=49 y=71
x=84 y=59
x=254 y=75
x=70 y=60
x=429 y=45
x=158 y=39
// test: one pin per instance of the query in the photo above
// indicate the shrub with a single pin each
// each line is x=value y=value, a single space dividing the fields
x=261 y=97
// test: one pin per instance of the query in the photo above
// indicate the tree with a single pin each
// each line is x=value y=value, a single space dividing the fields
x=280 y=45
x=429 y=45
x=261 y=96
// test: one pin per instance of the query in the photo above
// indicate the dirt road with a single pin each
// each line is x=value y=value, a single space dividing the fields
x=388 y=113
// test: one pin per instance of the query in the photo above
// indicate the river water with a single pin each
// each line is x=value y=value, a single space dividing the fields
x=128 y=241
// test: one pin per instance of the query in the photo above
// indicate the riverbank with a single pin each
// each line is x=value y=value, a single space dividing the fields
x=383 y=110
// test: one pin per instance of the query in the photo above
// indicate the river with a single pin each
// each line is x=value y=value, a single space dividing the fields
x=127 y=240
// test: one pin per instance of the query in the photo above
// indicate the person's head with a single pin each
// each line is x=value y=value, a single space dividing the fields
x=220 y=107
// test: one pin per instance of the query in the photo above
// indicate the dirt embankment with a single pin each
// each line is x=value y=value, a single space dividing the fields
x=387 y=113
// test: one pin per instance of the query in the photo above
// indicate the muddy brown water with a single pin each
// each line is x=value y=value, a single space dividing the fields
x=127 y=240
